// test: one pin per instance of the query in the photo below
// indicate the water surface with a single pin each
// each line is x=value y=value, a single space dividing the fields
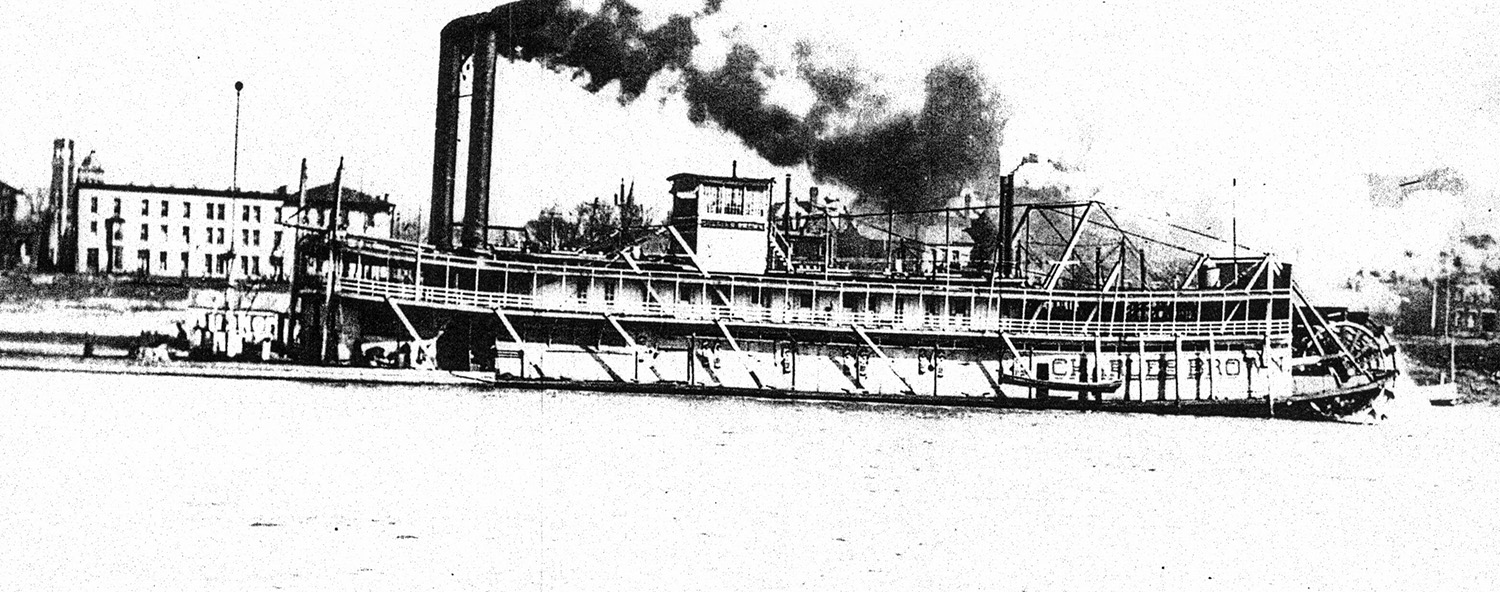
x=136 y=482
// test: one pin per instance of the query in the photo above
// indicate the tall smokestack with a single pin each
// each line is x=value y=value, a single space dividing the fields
x=481 y=129
x=445 y=139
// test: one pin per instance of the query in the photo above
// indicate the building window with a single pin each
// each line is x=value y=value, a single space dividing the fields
x=221 y=236
x=208 y=235
x=143 y=261
x=257 y=213
x=245 y=236
x=161 y=261
x=145 y=232
x=244 y=265
x=145 y=207
x=208 y=265
x=255 y=237
x=93 y=259
x=187 y=235
x=255 y=266
x=94 y=207
x=276 y=240
x=245 y=215
x=184 y=264
x=117 y=206
x=221 y=211
x=93 y=227
x=164 y=232
x=116 y=258
x=187 y=209
x=164 y=208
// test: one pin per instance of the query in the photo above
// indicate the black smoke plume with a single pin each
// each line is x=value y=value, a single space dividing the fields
x=906 y=161
x=734 y=97
x=919 y=160
x=837 y=90
x=607 y=46
x=900 y=161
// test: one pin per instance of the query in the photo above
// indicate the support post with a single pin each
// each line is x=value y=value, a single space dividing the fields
x=411 y=330
x=1177 y=367
x=936 y=366
x=1098 y=355
x=613 y=322
x=1067 y=253
x=1209 y=368
x=692 y=256
x=509 y=328
x=692 y=358
x=889 y=363
x=1192 y=274
x=741 y=358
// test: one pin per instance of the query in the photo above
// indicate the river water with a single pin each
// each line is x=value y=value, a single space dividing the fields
x=183 y=483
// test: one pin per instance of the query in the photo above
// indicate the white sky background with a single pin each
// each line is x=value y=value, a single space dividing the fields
x=1160 y=103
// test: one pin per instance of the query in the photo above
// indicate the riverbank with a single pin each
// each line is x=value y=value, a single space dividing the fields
x=1477 y=363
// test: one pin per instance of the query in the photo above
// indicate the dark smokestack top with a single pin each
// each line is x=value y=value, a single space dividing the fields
x=520 y=18
x=734 y=168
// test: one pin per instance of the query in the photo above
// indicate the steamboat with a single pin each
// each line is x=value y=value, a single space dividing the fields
x=746 y=290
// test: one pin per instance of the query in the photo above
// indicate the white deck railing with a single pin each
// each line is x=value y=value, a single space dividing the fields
x=987 y=323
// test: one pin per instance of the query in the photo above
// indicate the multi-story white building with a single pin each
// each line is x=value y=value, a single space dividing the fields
x=190 y=232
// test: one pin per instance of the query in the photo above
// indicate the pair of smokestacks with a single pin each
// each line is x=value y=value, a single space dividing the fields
x=480 y=36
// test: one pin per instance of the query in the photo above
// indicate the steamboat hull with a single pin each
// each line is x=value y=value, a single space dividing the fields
x=1357 y=405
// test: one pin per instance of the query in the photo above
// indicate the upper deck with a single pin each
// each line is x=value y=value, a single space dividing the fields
x=1256 y=304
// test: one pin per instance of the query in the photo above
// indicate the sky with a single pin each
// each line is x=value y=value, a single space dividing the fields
x=1271 y=114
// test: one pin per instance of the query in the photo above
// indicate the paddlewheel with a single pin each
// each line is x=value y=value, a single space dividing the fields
x=1345 y=347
